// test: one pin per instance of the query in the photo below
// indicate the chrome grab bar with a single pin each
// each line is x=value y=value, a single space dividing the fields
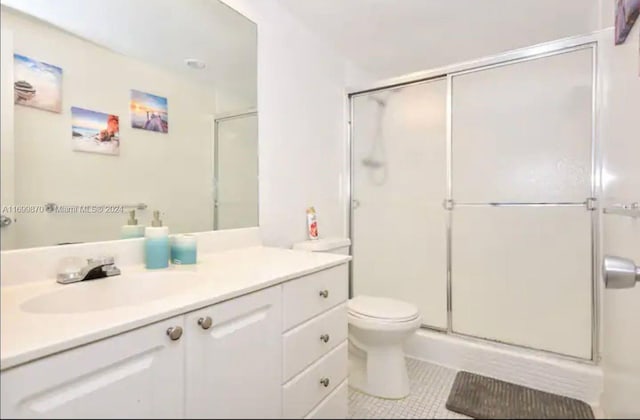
x=631 y=210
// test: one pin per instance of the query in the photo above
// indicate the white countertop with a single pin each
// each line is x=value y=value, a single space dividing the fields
x=26 y=336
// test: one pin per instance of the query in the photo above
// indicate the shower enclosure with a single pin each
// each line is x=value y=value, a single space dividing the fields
x=235 y=169
x=473 y=194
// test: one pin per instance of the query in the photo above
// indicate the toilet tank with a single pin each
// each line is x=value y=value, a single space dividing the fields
x=331 y=245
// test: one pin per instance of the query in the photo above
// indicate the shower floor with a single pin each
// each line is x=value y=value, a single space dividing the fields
x=430 y=387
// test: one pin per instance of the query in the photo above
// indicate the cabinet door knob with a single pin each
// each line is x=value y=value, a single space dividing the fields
x=324 y=293
x=174 y=333
x=325 y=338
x=324 y=382
x=205 y=322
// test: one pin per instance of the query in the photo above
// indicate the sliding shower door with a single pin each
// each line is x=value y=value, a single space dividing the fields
x=521 y=241
x=399 y=181
x=236 y=172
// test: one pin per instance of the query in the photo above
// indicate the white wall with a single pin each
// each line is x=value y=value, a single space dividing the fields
x=169 y=172
x=301 y=101
x=620 y=139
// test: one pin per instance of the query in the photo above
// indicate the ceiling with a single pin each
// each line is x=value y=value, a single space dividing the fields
x=388 y=38
x=165 y=33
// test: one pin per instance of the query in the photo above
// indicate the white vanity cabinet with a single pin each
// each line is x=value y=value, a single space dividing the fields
x=276 y=352
x=138 y=374
x=233 y=360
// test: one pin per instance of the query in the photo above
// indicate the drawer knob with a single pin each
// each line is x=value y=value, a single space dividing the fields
x=174 y=333
x=324 y=382
x=205 y=322
x=325 y=338
x=324 y=293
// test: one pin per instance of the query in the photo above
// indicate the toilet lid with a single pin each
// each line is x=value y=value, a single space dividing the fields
x=382 y=308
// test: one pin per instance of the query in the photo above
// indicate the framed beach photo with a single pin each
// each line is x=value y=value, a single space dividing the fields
x=627 y=12
x=149 y=112
x=95 y=132
x=37 y=84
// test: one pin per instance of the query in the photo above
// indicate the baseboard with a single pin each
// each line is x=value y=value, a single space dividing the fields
x=537 y=370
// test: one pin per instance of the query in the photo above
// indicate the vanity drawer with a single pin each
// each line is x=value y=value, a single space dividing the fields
x=335 y=406
x=307 y=296
x=306 y=390
x=311 y=340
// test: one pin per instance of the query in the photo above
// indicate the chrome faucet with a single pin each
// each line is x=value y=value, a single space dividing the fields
x=96 y=268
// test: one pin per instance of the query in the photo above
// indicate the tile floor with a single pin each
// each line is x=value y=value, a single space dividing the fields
x=430 y=386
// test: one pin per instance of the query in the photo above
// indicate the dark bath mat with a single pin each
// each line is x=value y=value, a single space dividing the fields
x=481 y=397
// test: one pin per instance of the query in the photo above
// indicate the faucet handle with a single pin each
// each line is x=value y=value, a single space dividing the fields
x=103 y=260
x=64 y=278
x=69 y=269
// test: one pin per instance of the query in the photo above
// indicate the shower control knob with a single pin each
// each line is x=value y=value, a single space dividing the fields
x=324 y=382
x=324 y=338
x=174 y=333
x=324 y=293
x=205 y=322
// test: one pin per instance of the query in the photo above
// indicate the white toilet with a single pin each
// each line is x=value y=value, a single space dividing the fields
x=378 y=328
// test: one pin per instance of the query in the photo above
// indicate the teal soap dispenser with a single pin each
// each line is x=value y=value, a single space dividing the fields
x=156 y=244
x=132 y=229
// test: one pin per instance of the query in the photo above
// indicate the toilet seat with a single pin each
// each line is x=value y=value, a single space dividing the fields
x=382 y=309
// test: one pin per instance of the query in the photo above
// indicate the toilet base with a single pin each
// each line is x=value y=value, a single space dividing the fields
x=381 y=372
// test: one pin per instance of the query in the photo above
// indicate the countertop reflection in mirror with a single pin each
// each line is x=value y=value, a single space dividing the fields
x=149 y=101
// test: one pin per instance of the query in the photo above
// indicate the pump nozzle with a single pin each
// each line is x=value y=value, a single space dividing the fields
x=156 y=222
x=132 y=218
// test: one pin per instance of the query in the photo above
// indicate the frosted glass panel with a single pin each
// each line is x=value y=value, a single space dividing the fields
x=399 y=181
x=522 y=132
x=237 y=173
x=522 y=275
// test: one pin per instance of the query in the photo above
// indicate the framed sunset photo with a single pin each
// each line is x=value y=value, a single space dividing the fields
x=149 y=112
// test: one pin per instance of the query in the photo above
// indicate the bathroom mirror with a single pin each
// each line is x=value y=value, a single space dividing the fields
x=119 y=105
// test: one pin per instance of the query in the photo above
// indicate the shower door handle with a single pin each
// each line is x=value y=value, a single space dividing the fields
x=620 y=273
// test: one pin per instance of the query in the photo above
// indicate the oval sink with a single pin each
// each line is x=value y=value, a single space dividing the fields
x=112 y=292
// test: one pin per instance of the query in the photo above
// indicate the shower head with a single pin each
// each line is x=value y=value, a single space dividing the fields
x=379 y=101
x=372 y=163
x=382 y=102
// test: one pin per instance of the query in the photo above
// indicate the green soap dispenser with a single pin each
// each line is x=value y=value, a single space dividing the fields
x=132 y=229
x=156 y=244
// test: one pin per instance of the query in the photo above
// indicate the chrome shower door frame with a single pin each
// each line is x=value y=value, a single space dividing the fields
x=216 y=130
x=591 y=203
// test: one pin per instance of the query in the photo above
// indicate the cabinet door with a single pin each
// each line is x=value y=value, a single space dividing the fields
x=138 y=374
x=234 y=367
